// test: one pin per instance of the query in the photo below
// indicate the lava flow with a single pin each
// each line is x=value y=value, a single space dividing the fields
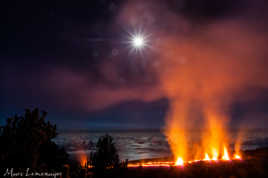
x=181 y=163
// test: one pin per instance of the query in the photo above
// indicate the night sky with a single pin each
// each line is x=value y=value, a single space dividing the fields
x=72 y=60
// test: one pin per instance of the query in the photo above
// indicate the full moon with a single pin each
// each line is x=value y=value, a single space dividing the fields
x=138 y=41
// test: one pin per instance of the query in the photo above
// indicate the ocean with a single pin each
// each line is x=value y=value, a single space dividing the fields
x=145 y=144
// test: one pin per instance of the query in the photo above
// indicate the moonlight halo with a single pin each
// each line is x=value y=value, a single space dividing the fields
x=138 y=41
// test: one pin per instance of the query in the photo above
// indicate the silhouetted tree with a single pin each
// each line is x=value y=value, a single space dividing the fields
x=106 y=155
x=26 y=141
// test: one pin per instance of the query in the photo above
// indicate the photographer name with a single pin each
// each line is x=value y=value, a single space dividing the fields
x=10 y=172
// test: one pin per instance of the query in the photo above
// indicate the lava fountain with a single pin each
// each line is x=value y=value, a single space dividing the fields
x=199 y=84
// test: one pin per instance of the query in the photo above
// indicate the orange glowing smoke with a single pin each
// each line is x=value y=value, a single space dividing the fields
x=200 y=80
x=177 y=134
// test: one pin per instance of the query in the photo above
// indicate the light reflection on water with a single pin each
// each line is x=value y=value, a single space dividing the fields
x=135 y=145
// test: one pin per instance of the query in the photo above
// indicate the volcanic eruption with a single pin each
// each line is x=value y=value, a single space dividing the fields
x=202 y=69
x=206 y=82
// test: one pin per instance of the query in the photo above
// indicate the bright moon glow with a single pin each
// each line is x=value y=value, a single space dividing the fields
x=138 y=41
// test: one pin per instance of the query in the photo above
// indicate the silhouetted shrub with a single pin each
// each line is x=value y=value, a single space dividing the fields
x=26 y=141
x=106 y=155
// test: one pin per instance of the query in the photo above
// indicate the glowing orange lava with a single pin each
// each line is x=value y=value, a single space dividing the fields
x=83 y=160
x=179 y=162
x=215 y=154
x=237 y=157
x=206 y=157
x=225 y=154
